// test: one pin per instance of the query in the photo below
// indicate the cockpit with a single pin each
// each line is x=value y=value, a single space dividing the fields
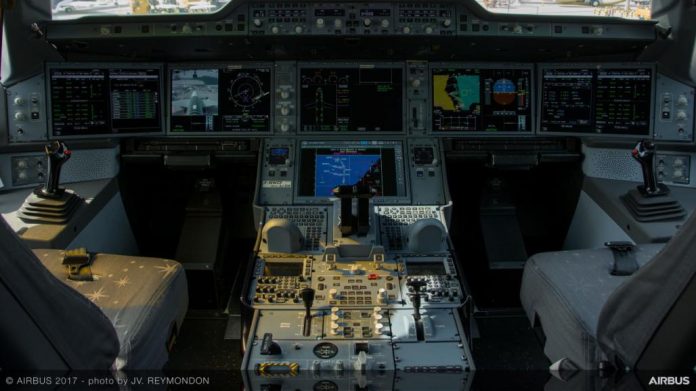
x=355 y=195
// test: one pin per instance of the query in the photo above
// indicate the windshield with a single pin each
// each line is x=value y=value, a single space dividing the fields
x=72 y=9
x=628 y=9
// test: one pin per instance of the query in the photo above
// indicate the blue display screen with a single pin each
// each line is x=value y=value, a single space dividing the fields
x=337 y=170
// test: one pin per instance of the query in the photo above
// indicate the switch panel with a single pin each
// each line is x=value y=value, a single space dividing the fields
x=674 y=110
x=26 y=111
x=417 y=90
x=674 y=169
x=285 y=109
x=28 y=169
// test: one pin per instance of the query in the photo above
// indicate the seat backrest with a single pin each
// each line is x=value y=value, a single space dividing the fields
x=654 y=308
x=45 y=324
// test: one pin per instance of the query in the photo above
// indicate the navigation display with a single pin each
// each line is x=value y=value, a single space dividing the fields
x=378 y=165
x=220 y=100
x=351 y=99
x=614 y=101
x=481 y=100
x=105 y=101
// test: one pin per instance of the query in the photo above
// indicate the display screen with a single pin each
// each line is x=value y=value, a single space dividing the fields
x=324 y=167
x=481 y=100
x=425 y=268
x=281 y=269
x=590 y=100
x=279 y=156
x=104 y=101
x=220 y=100
x=351 y=99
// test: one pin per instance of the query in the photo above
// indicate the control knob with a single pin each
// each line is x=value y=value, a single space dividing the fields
x=275 y=29
x=338 y=23
x=284 y=110
x=320 y=22
x=406 y=30
x=367 y=22
x=415 y=83
x=429 y=30
x=447 y=22
x=284 y=94
x=19 y=101
x=682 y=100
x=258 y=22
x=298 y=29
x=284 y=127
x=385 y=23
x=20 y=116
x=681 y=115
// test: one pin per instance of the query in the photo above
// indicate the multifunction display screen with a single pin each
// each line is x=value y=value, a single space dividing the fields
x=105 y=101
x=481 y=100
x=379 y=165
x=590 y=100
x=351 y=99
x=220 y=100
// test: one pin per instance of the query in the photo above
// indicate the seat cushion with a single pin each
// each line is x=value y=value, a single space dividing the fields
x=145 y=299
x=565 y=291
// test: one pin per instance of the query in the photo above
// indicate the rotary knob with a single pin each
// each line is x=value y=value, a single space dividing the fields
x=406 y=30
x=298 y=29
x=284 y=127
x=338 y=23
x=258 y=22
x=682 y=100
x=447 y=22
x=385 y=23
x=275 y=29
x=20 y=116
x=284 y=110
x=429 y=30
x=284 y=94
x=681 y=115
x=415 y=83
x=367 y=22
x=19 y=101
x=320 y=22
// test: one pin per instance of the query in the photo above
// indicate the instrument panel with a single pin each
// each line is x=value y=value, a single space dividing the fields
x=415 y=98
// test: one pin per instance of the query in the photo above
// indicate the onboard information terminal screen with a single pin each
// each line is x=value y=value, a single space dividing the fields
x=602 y=101
x=101 y=101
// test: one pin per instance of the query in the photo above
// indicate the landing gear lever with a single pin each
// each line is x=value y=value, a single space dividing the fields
x=57 y=153
x=644 y=153
x=307 y=295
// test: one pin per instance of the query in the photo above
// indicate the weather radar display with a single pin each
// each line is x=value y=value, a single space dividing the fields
x=481 y=100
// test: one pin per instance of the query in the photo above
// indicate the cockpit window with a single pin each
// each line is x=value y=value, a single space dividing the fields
x=627 y=9
x=73 y=9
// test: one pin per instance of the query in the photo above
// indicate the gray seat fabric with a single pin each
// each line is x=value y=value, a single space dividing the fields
x=566 y=291
x=144 y=298
x=45 y=324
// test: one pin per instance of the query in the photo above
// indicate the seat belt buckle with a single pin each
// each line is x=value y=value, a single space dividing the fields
x=78 y=263
x=625 y=262
x=620 y=246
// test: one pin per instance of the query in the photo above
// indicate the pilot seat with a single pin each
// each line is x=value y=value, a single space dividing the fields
x=593 y=318
x=126 y=316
